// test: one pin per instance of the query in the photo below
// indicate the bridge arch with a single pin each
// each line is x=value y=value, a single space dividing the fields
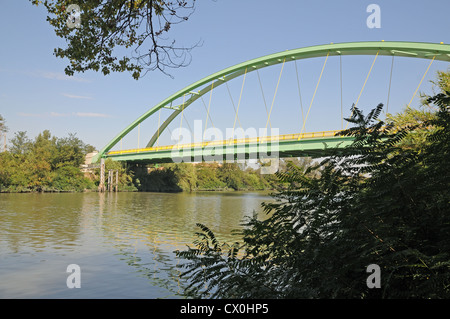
x=384 y=48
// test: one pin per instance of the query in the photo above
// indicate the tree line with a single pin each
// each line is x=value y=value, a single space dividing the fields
x=227 y=176
x=47 y=163
x=51 y=164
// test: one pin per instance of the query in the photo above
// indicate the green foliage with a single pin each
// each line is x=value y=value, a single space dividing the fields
x=417 y=118
x=20 y=144
x=127 y=180
x=118 y=36
x=442 y=84
x=70 y=178
x=207 y=178
x=186 y=175
x=202 y=177
x=3 y=128
x=155 y=179
x=421 y=118
x=69 y=151
x=232 y=175
x=45 y=164
x=376 y=202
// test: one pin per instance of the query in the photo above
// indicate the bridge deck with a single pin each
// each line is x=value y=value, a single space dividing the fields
x=289 y=145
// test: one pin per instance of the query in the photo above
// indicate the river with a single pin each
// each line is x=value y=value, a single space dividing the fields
x=123 y=243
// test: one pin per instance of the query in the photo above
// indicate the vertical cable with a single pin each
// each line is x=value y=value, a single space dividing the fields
x=299 y=92
x=390 y=83
x=423 y=77
x=263 y=95
x=181 y=120
x=159 y=127
x=232 y=102
x=314 y=95
x=275 y=94
x=364 y=85
x=207 y=111
x=240 y=97
x=342 y=108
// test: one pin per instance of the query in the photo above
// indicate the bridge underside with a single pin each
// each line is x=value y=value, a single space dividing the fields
x=223 y=151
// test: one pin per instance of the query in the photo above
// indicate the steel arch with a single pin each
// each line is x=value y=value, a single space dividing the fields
x=420 y=50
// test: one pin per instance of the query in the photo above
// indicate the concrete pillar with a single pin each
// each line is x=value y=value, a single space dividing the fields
x=101 y=186
x=117 y=181
x=110 y=180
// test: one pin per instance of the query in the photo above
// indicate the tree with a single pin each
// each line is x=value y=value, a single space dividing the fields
x=442 y=84
x=186 y=175
x=207 y=178
x=422 y=117
x=69 y=151
x=21 y=144
x=232 y=175
x=3 y=130
x=119 y=35
x=371 y=204
x=46 y=163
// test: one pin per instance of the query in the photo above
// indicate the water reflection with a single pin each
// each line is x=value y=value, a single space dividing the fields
x=123 y=242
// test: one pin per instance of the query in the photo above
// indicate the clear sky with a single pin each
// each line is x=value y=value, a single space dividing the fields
x=36 y=95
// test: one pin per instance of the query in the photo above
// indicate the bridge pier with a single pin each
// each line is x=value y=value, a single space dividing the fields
x=101 y=186
x=116 y=186
x=110 y=177
x=113 y=180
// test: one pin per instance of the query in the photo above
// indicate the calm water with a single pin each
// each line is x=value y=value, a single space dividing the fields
x=122 y=242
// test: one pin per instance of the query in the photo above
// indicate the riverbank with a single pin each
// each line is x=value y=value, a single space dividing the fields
x=168 y=191
x=54 y=165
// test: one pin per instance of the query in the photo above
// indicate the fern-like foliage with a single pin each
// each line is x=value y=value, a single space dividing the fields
x=372 y=203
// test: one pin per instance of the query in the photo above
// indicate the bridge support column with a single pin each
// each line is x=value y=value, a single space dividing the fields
x=117 y=181
x=110 y=180
x=101 y=186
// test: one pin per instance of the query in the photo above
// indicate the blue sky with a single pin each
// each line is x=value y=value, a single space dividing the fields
x=36 y=95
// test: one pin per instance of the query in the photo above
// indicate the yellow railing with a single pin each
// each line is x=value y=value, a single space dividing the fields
x=285 y=137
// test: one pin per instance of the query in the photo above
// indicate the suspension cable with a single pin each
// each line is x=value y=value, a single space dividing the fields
x=232 y=102
x=240 y=97
x=187 y=122
x=362 y=89
x=275 y=94
x=206 y=109
x=182 y=112
x=207 y=112
x=314 y=95
x=390 y=83
x=341 y=84
x=423 y=77
x=264 y=98
x=159 y=121
x=299 y=92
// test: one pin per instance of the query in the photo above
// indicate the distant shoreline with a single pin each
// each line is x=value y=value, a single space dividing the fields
x=222 y=190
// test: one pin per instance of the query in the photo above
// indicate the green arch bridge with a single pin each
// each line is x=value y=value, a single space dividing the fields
x=302 y=144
